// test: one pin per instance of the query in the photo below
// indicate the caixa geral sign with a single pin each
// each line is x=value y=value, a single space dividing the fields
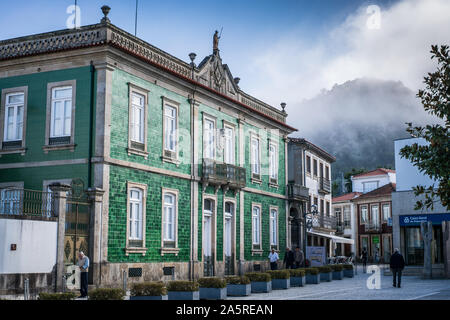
x=415 y=220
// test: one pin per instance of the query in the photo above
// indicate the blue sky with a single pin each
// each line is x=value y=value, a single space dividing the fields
x=285 y=50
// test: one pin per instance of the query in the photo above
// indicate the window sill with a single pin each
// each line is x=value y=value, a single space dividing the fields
x=257 y=252
x=48 y=148
x=22 y=151
x=273 y=185
x=256 y=181
x=137 y=152
x=170 y=251
x=142 y=251
x=171 y=160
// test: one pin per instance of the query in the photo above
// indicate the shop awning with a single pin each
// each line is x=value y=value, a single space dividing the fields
x=333 y=237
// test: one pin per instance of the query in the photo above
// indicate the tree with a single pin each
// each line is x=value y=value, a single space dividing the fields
x=348 y=178
x=433 y=159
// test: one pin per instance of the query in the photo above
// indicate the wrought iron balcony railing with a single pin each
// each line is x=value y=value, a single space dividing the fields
x=298 y=192
x=217 y=173
x=325 y=222
x=372 y=226
x=26 y=202
x=324 y=185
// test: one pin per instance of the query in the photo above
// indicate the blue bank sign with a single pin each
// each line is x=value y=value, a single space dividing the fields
x=415 y=220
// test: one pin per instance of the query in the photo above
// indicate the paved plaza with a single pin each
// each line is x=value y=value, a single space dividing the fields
x=413 y=288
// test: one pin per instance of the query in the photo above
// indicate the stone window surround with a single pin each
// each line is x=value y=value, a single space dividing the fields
x=255 y=179
x=171 y=103
x=229 y=125
x=50 y=86
x=14 y=184
x=277 y=246
x=143 y=187
x=164 y=249
x=47 y=183
x=273 y=142
x=212 y=198
x=209 y=117
x=132 y=88
x=233 y=224
x=257 y=251
x=22 y=150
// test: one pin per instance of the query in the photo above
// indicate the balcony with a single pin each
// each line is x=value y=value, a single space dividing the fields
x=298 y=192
x=324 y=185
x=325 y=222
x=31 y=203
x=221 y=174
x=372 y=227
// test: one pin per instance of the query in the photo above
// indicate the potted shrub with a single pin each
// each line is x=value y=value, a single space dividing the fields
x=338 y=271
x=148 y=291
x=260 y=282
x=238 y=286
x=326 y=273
x=57 y=296
x=212 y=288
x=106 y=294
x=298 y=277
x=183 y=290
x=312 y=276
x=280 y=279
x=348 y=270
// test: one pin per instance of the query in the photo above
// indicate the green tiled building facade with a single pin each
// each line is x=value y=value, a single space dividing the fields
x=190 y=170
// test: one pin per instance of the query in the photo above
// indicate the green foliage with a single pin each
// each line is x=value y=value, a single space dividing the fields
x=57 y=296
x=337 y=267
x=433 y=159
x=237 y=280
x=297 y=272
x=181 y=285
x=212 y=283
x=259 y=276
x=325 y=269
x=348 y=267
x=106 y=294
x=348 y=176
x=151 y=289
x=279 y=274
x=312 y=271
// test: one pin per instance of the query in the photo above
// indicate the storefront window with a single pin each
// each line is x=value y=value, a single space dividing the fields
x=414 y=246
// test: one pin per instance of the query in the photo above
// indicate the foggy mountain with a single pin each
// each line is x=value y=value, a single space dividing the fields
x=358 y=121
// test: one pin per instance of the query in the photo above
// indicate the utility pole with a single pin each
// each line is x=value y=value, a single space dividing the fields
x=136 y=18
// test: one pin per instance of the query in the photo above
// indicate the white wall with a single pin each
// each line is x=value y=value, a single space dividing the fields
x=36 y=246
x=408 y=175
x=357 y=183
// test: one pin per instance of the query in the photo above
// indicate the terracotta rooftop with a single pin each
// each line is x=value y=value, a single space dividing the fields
x=381 y=191
x=347 y=196
x=376 y=172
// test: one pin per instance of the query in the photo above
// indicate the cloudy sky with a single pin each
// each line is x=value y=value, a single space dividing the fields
x=285 y=50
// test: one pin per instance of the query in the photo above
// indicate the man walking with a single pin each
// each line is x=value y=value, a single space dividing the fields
x=273 y=257
x=364 y=259
x=397 y=264
x=288 y=259
x=83 y=263
x=298 y=258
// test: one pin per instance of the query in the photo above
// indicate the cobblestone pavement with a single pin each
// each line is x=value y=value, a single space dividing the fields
x=413 y=288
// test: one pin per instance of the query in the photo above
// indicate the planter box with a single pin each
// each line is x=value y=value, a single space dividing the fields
x=239 y=290
x=213 y=293
x=150 y=298
x=338 y=275
x=259 y=286
x=348 y=273
x=326 y=277
x=313 y=278
x=184 y=295
x=298 y=281
x=278 y=284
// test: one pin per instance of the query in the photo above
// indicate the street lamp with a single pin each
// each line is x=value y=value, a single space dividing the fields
x=308 y=225
x=192 y=56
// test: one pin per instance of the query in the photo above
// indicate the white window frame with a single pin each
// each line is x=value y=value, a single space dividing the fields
x=65 y=132
x=273 y=162
x=349 y=212
x=132 y=149
x=273 y=230
x=170 y=155
x=229 y=155
x=15 y=107
x=173 y=247
x=366 y=209
x=207 y=143
x=388 y=205
x=143 y=189
x=257 y=246
x=213 y=215
x=50 y=116
x=256 y=174
x=233 y=226
x=377 y=221
x=368 y=183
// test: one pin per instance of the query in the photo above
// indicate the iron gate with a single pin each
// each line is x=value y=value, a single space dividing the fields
x=229 y=265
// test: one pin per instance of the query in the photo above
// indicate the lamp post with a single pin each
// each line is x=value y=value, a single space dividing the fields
x=192 y=56
x=308 y=225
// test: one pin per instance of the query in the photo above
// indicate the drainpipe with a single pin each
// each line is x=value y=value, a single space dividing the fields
x=91 y=124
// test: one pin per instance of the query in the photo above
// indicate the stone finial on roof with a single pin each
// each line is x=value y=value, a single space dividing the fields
x=105 y=10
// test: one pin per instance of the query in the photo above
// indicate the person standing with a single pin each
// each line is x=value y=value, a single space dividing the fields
x=364 y=259
x=83 y=263
x=273 y=258
x=288 y=259
x=397 y=264
x=298 y=258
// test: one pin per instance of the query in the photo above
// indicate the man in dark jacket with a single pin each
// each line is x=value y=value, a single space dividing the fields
x=364 y=256
x=289 y=259
x=397 y=265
